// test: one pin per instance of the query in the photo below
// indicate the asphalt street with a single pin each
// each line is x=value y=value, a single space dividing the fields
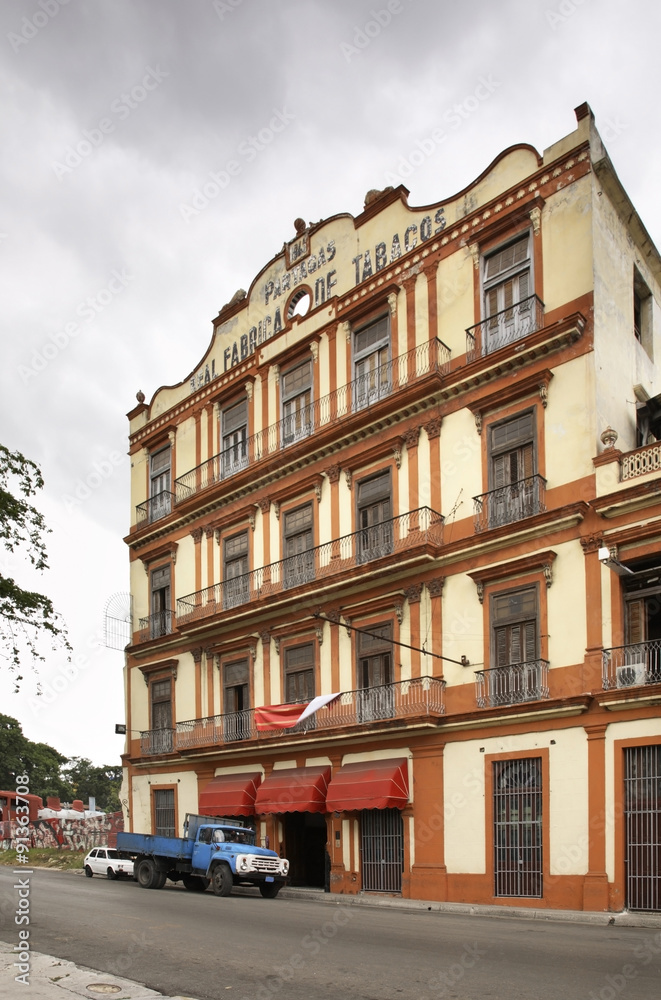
x=245 y=946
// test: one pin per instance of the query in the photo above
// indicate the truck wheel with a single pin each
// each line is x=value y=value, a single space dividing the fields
x=110 y=873
x=221 y=880
x=195 y=883
x=270 y=890
x=148 y=876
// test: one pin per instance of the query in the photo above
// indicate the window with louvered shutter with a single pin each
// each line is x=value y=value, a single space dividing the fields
x=514 y=621
x=299 y=673
x=512 y=452
x=235 y=417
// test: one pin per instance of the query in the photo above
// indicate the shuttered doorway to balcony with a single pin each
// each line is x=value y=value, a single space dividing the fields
x=642 y=817
x=382 y=848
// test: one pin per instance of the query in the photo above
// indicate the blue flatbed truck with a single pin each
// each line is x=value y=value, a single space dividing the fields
x=213 y=851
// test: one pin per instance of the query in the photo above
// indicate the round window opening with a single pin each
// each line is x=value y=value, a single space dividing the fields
x=299 y=304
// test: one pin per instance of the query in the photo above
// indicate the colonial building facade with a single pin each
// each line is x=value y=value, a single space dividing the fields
x=417 y=469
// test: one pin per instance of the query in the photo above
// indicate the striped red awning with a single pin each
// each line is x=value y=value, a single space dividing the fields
x=230 y=795
x=293 y=789
x=370 y=784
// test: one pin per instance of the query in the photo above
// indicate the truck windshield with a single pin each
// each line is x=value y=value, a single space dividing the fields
x=240 y=837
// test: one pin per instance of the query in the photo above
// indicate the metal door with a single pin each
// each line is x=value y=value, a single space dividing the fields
x=642 y=817
x=382 y=848
x=517 y=818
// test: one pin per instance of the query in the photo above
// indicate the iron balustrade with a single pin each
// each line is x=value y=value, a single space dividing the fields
x=395 y=375
x=398 y=534
x=641 y=461
x=415 y=698
x=155 y=741
x=504 y=327
x=510 y=685
x=509 y=503
x=154 y=626
x=632 y=665
x=155 y=508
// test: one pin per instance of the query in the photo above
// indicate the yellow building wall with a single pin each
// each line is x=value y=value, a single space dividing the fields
x=567 y=244
x=569 y=423
x=566 y=606
x=187 y=798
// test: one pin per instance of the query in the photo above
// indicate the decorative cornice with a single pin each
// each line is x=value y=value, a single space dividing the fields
x=392 y=303
x=265 y=639
x=536 y=219
x=165 y=551
x=196 y=534
x=264 y=504
x=515 y=567
x=333 y=473
x=197 y=654
x=399 y=612
x=517 y=389
x=149 y=670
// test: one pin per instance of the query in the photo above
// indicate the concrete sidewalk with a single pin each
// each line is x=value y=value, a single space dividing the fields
x=52 y=978
x=56 y=979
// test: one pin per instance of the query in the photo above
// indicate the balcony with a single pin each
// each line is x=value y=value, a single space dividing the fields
x=511 y=685
x=155 y=741
x=633 y=665
x=509 y=503
x=390 y=379
x=155 y=508
x=641 y=461
x=504 y=327
x=155 y=626
x=334 y=559
x=422 y=697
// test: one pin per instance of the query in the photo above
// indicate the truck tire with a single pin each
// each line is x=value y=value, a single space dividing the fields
x=148 y=875
x=195 y=883
x=270 y=890
x=221 y=880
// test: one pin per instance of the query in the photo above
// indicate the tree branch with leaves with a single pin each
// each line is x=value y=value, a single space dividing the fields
x=25 y=615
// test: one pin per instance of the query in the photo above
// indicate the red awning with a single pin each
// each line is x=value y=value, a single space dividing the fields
x=370 y=784
x=230 y=795
x=293 y=789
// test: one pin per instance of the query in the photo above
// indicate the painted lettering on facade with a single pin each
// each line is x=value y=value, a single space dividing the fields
x=300 y=265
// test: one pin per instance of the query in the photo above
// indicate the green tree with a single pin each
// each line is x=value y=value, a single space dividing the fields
x=25 y=615
x=87 y=779
x=41 y=763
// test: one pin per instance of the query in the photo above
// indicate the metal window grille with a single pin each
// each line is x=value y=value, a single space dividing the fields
x=382 y=846
x=642 y=816
x=517 y=820
x=164 y=812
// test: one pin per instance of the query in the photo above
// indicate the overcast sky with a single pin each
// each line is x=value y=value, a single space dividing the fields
x=113 y=260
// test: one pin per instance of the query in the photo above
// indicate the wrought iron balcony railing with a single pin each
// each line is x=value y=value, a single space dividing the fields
x=155 y=508
x=399 y=534
x=641 y=461
x=393 y=377
x=513 y=684
x=633 y=665
x=509 y=503
x=155 y=626
x=421 y=696
x=154 y=741
x=504 y=327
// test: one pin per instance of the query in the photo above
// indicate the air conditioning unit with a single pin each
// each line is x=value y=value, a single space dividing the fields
x=632 y=674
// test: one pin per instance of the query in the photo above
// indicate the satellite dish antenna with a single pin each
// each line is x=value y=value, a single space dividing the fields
x=118 y=621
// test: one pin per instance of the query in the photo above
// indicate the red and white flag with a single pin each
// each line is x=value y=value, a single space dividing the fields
x=288 y=716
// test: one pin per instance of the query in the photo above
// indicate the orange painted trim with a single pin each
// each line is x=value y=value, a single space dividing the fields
x=431 y=274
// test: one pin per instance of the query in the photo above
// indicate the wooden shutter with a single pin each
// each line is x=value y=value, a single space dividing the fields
x=636 y=630
x=235 y=417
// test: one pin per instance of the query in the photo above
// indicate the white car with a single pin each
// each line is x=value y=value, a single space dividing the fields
x=106 y=861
